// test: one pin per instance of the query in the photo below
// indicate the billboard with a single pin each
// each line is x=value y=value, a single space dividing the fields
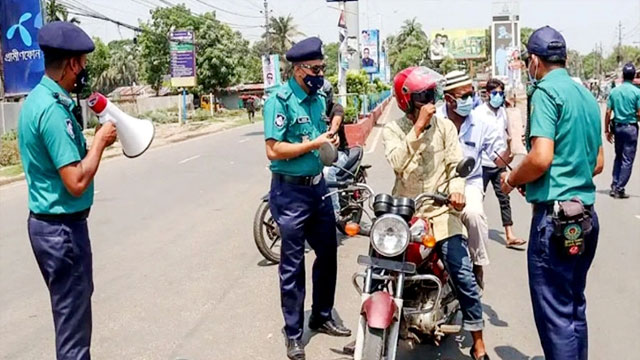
x=22 y=59
x=270 y=71
x=370 y=50
x=505 y=48
x=183 y=58
x=458 y=43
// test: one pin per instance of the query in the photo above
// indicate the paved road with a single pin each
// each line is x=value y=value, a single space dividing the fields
x=177 y=275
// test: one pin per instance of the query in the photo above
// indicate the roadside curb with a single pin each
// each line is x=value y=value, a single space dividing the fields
x=20 y=177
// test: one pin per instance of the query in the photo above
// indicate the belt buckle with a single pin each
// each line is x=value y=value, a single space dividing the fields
x=316 y=179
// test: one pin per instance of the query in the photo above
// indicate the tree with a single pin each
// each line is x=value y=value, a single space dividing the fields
x=410 y=47
x=411 y=33
x=281 y=32
x=98 y=66
x=222 y=55
x=154 y=44
x=525 y=34
x=331 y=58
x=56 y=11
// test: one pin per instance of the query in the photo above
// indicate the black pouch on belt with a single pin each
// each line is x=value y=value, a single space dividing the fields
x=572 y=222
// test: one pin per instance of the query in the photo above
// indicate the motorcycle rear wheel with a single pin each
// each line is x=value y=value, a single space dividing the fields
x=266 y=234
x=373 y=345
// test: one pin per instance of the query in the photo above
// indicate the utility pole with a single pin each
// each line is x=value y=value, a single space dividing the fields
x=266 y=26
x=619 y=43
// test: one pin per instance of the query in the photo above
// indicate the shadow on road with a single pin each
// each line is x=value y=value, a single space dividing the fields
x=497 y=236
x=511 y=353
x=494 y=318
x=254 y=133
x=606 y=192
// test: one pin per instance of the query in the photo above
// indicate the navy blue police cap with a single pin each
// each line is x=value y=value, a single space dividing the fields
x=628 y=70
x=547 y=43
x=64 y=38
x=305 y=50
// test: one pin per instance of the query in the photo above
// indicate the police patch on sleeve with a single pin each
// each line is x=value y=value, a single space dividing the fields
x=280 y=119
x=70 y=129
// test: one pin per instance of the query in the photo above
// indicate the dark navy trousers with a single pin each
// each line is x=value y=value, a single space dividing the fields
x=557 y=284
x=63 y=252
x=626 y=142
x=302 y=214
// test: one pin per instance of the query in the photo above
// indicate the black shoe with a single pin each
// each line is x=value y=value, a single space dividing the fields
x=329 y=327
x=612 y=193
x=621 y=195
x=295 y=349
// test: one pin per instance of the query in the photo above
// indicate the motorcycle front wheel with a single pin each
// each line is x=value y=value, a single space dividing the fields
x=373 y=345
x=266 y=233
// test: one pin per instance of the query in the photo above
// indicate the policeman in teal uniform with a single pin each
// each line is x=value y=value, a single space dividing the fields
x=624 y=103
x=294 y=130
x=59 y=172
x=565 y=152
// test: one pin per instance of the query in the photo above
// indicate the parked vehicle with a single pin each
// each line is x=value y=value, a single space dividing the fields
x=265 y=230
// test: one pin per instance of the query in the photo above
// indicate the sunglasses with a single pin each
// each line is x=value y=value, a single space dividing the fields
x=424 y=97
x=496 y=92
x=464 y=96
x=316 y=69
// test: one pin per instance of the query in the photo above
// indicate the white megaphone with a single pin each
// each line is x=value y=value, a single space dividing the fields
x=135 y=135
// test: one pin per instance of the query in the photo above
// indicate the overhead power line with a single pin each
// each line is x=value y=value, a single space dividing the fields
x=227 y=11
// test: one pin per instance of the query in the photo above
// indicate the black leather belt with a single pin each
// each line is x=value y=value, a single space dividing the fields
x=625 y=124
x=76 y=216
x=298 y=180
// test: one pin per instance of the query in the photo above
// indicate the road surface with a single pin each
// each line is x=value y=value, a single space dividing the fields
x=177 y=275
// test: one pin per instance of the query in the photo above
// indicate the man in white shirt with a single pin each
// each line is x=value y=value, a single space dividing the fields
x=476 y=137
x=494 y=113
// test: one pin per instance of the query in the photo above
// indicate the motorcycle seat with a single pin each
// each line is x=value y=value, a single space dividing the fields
x=354 y=156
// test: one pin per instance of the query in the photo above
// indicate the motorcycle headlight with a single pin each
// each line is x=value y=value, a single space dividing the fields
x=390 y=235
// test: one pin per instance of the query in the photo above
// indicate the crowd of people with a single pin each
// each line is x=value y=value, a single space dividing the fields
x=564 y=145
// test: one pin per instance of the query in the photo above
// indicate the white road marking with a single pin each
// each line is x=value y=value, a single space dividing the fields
x=189 y=159
x=243 y=141
x=375 y=141
x=96 y=192
x=638 y=217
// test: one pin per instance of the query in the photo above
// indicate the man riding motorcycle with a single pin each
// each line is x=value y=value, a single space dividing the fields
x=423 y=150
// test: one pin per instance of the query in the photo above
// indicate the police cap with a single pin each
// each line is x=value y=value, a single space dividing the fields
x=547 y=43
x=305 y=50
x=628 y=71
x=64 y=38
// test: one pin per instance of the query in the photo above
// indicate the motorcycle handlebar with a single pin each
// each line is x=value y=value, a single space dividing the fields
x=438 y=198
x=339 y=184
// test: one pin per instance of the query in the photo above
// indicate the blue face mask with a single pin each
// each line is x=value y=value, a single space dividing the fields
x=464 y=107
x=496 y=100
x=314 y=83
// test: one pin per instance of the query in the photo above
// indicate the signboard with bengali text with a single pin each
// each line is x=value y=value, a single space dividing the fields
x=183 y=58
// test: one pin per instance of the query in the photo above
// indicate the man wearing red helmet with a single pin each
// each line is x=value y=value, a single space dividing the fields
x=423 y=150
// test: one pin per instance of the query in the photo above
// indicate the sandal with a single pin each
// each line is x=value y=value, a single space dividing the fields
x=474 y=357
x=515 y=243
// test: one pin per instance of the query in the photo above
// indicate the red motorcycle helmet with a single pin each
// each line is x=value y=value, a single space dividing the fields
x=417 y=83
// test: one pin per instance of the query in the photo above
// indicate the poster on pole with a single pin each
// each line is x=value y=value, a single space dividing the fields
x=183 y=58
x=270 y=71
x=22 y=59
x=459 y=44
x=505 y=49
x=370 y=50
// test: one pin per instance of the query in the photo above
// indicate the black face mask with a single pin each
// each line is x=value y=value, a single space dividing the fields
x=82 y=80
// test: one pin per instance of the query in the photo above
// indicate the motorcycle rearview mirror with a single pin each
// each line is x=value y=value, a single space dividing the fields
x=328 y=154
x=465 y=167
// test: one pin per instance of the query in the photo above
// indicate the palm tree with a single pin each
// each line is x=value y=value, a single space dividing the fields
x=58 y=12
x=411 y=32
x=281 y=33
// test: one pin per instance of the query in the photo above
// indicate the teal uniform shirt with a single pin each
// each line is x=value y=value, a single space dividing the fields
x=567 y=113
x=624 y=100
x=293 y=116
x=49 y=138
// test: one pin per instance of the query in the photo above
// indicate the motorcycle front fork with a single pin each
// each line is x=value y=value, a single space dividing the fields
x=393 y=331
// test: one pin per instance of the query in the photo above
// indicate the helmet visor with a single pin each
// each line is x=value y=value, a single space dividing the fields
x=424 y=97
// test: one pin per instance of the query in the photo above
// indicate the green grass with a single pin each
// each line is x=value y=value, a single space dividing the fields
x=11 y=170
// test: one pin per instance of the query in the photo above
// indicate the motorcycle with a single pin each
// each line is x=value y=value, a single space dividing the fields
x=406 y=292
x=265 y=230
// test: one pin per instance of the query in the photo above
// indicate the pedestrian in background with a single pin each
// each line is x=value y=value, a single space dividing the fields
x=251 y=108
x=294 y=130
x=493 y=112
x=565 y=152
x=59 y=172
x=622 y=129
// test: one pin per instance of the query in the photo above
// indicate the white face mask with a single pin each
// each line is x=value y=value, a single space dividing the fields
x=532 y=78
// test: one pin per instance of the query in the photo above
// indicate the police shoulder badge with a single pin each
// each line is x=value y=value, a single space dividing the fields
x=280 y=120
x=70 y=128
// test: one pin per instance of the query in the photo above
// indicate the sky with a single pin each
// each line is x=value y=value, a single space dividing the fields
x=582 y=22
